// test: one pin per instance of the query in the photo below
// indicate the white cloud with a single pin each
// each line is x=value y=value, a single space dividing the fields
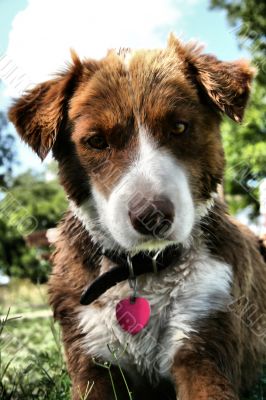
x=43 y=33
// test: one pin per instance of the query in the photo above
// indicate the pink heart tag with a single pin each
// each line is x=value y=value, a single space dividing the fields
x=133 y=316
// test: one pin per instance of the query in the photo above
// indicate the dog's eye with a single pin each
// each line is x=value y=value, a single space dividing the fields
x=179 y=127
x=97 y=142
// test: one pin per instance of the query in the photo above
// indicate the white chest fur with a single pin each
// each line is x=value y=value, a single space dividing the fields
x=177 y=299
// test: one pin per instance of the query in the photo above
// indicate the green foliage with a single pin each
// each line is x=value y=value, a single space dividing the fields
x=30 y=204
x=245 y=145
x=245 y=149
x=248 y=18
x=7 y=152
x=44 y=200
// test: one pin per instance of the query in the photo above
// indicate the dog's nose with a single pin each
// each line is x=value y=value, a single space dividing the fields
x=151 y=217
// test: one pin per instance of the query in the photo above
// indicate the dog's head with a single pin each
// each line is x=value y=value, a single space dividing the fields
x=137 y=138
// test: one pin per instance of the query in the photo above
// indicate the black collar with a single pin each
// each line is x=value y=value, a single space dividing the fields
x=127 y=267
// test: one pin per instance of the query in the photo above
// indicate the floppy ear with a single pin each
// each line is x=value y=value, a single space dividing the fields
x=226 y=84
x=38 y=114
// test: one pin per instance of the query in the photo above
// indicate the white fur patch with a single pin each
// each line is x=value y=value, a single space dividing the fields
x=179 y=297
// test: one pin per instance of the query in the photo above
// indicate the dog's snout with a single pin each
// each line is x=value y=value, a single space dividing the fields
x=151 y=217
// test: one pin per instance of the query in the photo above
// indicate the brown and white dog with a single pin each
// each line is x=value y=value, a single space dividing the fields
x=137 y=139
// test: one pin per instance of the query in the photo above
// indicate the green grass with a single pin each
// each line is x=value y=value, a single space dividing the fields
x=32 y=364
x=31 y=358
x=31 y=361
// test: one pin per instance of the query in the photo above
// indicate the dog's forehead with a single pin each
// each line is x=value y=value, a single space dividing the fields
x=147 y=70
x=136 y=79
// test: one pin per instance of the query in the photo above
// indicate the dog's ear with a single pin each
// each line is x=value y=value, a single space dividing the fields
x=37 y=115
x=226 y=84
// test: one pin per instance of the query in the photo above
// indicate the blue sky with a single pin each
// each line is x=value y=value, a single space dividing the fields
x=37 y=34
x=8 y=10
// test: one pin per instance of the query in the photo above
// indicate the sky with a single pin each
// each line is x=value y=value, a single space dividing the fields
x=36 y=35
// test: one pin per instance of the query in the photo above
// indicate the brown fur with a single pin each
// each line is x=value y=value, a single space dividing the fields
x=225 y=353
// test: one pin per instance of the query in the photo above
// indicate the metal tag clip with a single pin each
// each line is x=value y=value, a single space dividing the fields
x=154 y=262
x=132 y=280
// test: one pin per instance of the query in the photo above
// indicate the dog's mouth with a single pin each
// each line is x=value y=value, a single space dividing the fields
x=147 y=244
x=154 y=244
x=134 y=242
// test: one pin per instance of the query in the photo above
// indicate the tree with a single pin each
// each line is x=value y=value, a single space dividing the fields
x=245 y=145
x=249 y=19
x=7 y=152
x=245 y=149
x=30 y=204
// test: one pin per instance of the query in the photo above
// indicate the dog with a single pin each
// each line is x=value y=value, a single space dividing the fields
x=152 y=281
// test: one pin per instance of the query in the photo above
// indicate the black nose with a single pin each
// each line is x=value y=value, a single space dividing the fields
x=151 y=217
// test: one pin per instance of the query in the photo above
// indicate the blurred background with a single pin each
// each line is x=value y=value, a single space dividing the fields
x=35 y=38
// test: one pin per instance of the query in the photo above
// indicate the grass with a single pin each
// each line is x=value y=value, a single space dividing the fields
x=31 y=361
x=32 y=365
x=31 y=358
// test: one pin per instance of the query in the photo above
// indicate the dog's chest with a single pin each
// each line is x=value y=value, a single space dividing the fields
x=178 y=298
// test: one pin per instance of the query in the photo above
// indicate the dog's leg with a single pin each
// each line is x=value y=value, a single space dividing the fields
x=207 y=367
x=201 y=380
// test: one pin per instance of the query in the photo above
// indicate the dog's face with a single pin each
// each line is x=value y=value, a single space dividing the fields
x=137 y=139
